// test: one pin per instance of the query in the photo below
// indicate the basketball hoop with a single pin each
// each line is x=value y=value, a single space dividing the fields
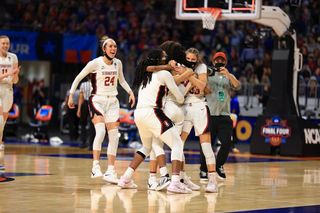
x=209 y=17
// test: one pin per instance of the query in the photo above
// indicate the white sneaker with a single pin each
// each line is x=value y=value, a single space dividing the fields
x=96 y=171
x=1 y=147
x=152 y=183
x=126 y=183
x=178 y=188
x=190 y=184
x=212 y=186
x=164 y=181
x=111 y=177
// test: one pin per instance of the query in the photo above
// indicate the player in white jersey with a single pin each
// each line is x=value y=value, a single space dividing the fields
x=152 y=122
x=197 y=115
x=105 y=72
x=172 y=109
x=9 y=75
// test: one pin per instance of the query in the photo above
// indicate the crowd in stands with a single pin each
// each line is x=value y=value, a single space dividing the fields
x=139 y=25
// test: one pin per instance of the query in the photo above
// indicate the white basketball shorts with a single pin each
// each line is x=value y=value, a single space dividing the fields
x=197 y=115
x=6 y=97
x=175 y=113
x=106 y=106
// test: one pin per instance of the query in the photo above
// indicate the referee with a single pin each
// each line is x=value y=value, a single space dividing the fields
x=220 y=84
x=84 y=115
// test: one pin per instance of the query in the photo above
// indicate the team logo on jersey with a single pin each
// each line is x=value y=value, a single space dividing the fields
x=275 y=131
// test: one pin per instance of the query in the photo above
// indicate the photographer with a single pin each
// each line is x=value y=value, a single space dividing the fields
x=220 y=83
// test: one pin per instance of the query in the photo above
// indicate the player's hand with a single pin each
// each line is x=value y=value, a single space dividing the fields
x=172 y=64
x=70 y=102
x=78 y=113
x=132 y=99
x=16 y=70
x=207 y=90
x=180 y=69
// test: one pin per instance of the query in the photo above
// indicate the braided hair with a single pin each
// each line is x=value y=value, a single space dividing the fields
x=143 y=77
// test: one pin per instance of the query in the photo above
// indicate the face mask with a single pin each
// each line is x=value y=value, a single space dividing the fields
x=108 y=57
x=191 y=64
x=218 y=65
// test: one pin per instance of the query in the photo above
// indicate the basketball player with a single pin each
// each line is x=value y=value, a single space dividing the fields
x=220 y=84
x=172 y=109
x=152 y=122
x=104 y=106
x=197 y=115
x=9 y=75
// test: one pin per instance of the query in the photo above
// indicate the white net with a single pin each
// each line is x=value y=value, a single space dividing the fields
x=209 y=18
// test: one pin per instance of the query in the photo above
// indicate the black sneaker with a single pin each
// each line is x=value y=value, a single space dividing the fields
x=221 y=173
x=203 y=176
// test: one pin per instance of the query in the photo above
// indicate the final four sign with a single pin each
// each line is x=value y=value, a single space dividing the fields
x=285 y=135
x=275 y=131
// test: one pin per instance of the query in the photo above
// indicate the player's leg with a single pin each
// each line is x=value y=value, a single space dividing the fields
x=97 y=112
x=143 y=122
x=164 y=181
x=2 y=123
x=172 y=139
x=202 y=129
x=112 y=125
x=153 y=166
x=6 y=101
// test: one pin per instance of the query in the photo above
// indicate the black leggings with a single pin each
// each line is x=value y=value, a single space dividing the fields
x=220 y=128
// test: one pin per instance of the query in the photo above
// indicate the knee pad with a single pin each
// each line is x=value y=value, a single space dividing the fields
x=172 y=139
x=157 y=147
x=152 y=155
x=208 y=153
x=144 y=151
x=99 y=137
x=113 y=135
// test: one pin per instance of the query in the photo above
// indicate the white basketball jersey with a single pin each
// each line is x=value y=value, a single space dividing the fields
x=6 y=66
x=195 y=95
x=152 y=95
x=171 y=97
x=104 y=77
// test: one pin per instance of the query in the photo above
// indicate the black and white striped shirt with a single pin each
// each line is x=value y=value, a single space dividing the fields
x=86 y=88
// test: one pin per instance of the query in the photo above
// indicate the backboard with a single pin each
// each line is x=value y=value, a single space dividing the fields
x=231 y=9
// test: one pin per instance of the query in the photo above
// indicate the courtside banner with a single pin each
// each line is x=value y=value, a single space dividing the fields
x=23 y=44
x=79 y=49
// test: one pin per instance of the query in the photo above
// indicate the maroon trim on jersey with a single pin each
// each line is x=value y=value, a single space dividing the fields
x=207 y=129
x=94 y=83
x=160 y=95
x=92 y=109
x=166 y=123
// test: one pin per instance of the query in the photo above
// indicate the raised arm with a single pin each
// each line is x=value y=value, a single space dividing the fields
x=187 y=73
x=166 y=78
x=199 y=81
x=170 y=66
x=235 y=83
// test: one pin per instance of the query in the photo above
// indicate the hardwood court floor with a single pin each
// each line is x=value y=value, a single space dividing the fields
x=57 y=179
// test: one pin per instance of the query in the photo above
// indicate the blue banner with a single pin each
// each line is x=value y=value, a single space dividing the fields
x=23 y=44
x=79 y=49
